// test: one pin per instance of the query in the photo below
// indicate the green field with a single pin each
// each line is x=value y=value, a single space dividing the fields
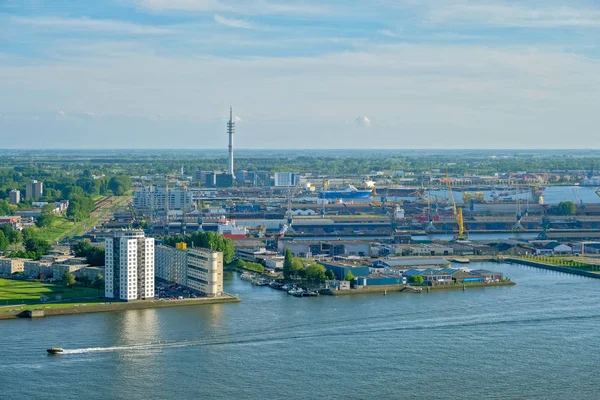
x=23 y=292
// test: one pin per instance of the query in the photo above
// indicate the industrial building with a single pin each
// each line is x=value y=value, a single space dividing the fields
x=34 y=190
x=197 y=269
x=129 y=266
x=286 y=179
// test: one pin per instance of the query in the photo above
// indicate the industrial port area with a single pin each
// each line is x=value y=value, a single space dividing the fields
x=326 y=223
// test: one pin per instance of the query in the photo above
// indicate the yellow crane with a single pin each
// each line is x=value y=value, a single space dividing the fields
x=458 y=213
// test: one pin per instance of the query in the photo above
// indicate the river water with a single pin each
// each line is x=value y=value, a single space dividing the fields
x=539 y=339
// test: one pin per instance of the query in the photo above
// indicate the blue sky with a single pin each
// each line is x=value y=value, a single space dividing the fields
x=300 y=74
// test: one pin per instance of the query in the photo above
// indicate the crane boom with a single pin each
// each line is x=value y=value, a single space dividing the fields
x=458 y=214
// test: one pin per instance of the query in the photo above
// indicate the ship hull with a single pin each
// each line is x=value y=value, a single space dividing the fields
x=361 y=194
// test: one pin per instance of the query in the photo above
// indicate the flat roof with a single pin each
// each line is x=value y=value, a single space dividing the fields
x=395 y=262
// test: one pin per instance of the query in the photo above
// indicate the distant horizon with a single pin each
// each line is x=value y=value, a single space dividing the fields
x=315 y=74
x=238 y=150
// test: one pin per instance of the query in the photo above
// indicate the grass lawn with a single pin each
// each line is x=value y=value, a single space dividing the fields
x=57 y=231
x=67 y=304
x=23 y=292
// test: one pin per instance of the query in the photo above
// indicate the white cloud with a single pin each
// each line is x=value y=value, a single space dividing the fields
x=233 y=23
x=89 y=24
x=363 y=121
x=388 y=33
x=501 y=13
x=237 y=119
x=476 y=95
x=256 y=7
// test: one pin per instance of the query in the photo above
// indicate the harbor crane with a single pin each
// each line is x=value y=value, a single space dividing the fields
x=458 y=214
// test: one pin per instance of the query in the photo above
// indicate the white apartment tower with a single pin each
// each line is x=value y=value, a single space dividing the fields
x=129 y=266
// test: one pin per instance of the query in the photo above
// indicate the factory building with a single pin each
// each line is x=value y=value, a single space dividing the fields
x=261 y=178
x=129 y=266
x=286 y=179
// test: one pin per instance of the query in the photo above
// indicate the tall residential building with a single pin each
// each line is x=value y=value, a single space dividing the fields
x=34 y=190
x=230 y=132
x=156 y=198
x=198 y=269
x=286 y=179
x=14 y=197
x=129 y=266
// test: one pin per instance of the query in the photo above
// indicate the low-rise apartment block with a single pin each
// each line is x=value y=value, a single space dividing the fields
x=197 y=269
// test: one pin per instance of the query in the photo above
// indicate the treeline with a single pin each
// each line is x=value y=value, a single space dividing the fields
x=93 y=254
x=248 y=266
x=206 y=240
x=34 y=249
x=62 y=184
x=309 y=270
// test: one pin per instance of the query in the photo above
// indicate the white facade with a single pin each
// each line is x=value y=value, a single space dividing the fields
x=179 y=199
x=205 y=271
x=286 y=179
x=129 y=266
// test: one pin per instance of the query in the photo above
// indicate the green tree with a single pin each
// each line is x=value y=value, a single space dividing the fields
x=349 y=276
x=5 y=208
x=4 y=242
x=297 y=268
x=98 y=281
x=566 y=208
x=93 y=254
x=255 y=267
x=119 y=184
x=330 y=275
x=287 y=264
x=316 y=273
x=37 y=246
x=68 y=279
x=85 y=280
x=417 y=280
x=48 y=216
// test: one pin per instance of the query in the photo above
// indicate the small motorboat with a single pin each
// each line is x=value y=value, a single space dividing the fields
x=55 y=350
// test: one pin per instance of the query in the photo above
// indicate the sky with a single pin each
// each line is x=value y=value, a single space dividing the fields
x=330 y=74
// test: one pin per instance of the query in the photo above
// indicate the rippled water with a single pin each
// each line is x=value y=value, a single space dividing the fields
x=538 y=339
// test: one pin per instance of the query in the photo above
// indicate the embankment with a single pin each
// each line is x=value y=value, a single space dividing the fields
x=549 y=267
x=396 y=288
x=70 y=309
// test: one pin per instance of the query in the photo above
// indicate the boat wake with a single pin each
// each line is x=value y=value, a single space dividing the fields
x=283 y=335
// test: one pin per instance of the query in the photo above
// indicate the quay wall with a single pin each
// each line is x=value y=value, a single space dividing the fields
x=120 y=306
x=549 y=267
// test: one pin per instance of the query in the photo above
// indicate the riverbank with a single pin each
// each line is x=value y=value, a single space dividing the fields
x=425 y=289
x=82 y=308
